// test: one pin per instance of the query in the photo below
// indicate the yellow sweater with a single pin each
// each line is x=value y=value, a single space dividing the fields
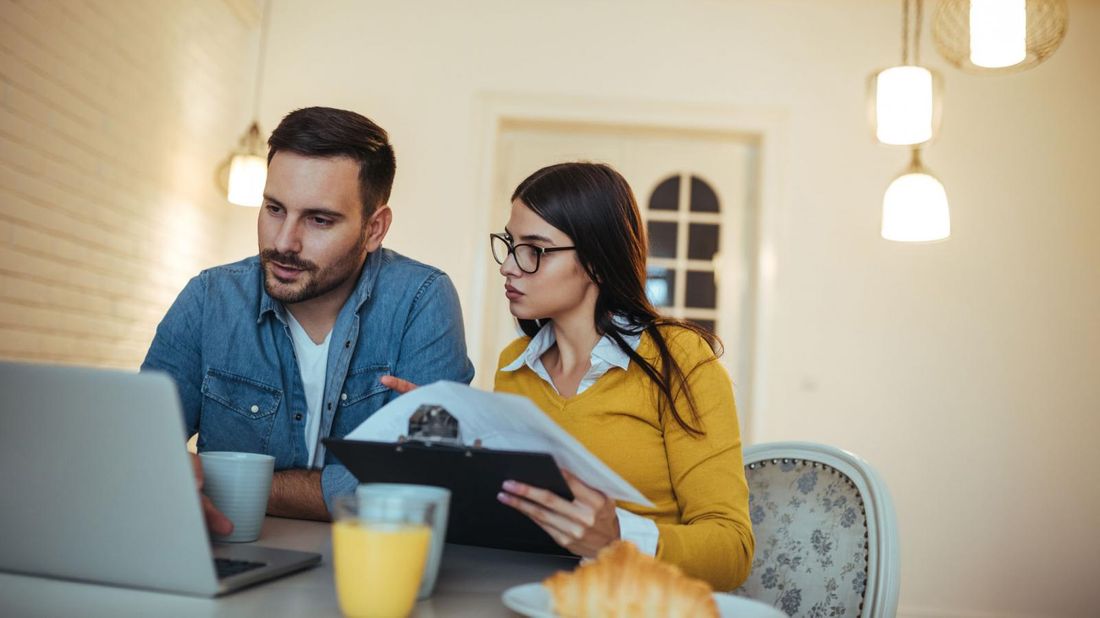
x=696 y=484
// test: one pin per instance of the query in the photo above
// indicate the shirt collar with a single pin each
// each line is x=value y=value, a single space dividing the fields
x=359 y=295
x=606 y=349
x=539 y=344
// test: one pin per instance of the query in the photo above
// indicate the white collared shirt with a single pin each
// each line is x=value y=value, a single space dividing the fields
x=606 y=355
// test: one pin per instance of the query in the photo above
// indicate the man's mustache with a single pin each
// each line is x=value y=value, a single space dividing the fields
x=286 y=259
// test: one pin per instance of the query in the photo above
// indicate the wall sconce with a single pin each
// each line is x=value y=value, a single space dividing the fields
x=248 y=170
x=243 y=174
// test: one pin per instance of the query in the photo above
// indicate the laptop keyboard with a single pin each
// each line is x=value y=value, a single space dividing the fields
x=229 y=568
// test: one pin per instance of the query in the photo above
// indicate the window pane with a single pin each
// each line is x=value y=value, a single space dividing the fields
x=703 y=198
x=707 y=324
x=702 y=241
x=660 y=285
x=666 y=195
x=700 y=290
x=662 y=238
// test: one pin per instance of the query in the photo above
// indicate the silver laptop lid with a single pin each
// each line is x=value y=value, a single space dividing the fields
x=96 y=482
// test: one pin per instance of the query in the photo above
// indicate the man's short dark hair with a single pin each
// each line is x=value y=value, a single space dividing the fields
x=328 y=132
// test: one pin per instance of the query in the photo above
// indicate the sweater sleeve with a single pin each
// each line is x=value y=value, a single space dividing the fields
x=714 y=539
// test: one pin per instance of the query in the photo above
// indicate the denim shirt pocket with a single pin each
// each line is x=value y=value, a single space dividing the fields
x=238 y=413
x=362 y=395
x=364 y=382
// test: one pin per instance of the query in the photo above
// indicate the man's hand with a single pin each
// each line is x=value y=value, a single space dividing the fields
x=215 y=522
x=397 y=385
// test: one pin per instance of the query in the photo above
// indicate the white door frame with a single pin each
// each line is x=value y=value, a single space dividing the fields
x=766 y=125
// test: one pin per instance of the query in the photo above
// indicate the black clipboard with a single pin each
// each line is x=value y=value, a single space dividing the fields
x=474 y=475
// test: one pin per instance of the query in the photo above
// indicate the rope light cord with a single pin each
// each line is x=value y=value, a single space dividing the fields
x=913 y=43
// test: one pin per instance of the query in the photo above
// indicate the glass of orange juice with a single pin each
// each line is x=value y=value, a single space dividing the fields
x=379 y=549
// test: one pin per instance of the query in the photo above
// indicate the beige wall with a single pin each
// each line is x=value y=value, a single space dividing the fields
x=965 y=370
x=112 y=116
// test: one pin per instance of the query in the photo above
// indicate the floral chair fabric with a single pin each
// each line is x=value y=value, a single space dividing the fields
x=811 y=539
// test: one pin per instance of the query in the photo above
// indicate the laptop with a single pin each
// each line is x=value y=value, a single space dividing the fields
x=98 y=487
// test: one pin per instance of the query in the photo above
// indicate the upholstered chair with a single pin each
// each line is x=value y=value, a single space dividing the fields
x=826 y=533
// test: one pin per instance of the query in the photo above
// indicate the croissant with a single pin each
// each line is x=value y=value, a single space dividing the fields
x=622 y=581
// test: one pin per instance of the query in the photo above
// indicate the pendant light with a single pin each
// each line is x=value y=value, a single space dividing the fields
x=998 y=32
x=999 y=36
x=243 y=174
x=915 y=208
x=905 y=99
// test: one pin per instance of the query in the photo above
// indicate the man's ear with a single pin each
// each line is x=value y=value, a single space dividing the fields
x=377 y=226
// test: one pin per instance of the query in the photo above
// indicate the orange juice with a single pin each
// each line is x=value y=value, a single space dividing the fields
x=378 y=566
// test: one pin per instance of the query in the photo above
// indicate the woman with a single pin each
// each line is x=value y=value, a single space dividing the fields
x=642 y=392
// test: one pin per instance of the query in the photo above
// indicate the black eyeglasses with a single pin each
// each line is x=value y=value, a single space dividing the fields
x=528 y=257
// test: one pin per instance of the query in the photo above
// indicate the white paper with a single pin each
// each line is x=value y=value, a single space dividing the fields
x=502 y=422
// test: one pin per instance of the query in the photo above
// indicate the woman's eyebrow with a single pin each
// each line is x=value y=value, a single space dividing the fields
x=535 y=237
x=529 y=237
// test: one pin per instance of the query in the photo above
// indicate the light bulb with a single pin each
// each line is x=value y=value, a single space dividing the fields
x=998 y=32
x=247 y=177
x=904 y=105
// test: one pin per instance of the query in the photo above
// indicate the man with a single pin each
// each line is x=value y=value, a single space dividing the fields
x=278 y=350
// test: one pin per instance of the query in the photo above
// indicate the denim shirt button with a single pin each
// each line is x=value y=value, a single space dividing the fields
x=298 y=416
x=255 y=408
x=343 y=396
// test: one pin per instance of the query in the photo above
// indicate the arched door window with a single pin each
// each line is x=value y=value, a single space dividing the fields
x=683 y=224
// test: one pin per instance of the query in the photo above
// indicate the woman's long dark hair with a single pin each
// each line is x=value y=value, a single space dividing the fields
x=594 y=206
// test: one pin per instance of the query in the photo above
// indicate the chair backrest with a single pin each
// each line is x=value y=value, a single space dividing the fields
x=826 y=533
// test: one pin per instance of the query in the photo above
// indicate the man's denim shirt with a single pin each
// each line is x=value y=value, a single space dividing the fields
x=226 y=344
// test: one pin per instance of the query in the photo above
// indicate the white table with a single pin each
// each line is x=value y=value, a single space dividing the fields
x=470 y=583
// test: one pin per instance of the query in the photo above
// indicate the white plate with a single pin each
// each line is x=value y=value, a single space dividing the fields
x=534 y=600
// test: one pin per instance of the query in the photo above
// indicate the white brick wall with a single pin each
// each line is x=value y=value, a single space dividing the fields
x=113 y=116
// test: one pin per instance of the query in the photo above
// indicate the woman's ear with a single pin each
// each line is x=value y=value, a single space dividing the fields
x=594 y=276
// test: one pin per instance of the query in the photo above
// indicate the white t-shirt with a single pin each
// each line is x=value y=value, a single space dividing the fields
x=312 y=363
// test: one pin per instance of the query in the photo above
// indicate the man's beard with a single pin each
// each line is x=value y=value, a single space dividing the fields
x=313 y=281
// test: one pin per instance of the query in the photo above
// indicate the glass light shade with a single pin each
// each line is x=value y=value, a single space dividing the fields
x=904 y=105
x=247 y=176
x=915 y=209
x=998 y=32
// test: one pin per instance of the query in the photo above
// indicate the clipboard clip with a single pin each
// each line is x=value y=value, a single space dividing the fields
x=432 y=425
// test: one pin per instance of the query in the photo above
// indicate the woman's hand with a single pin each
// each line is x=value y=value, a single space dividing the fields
x=395 y=383
x=583 y=526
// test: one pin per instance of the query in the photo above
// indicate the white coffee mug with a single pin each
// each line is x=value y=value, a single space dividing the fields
x=238 y=484
x=438 y=496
